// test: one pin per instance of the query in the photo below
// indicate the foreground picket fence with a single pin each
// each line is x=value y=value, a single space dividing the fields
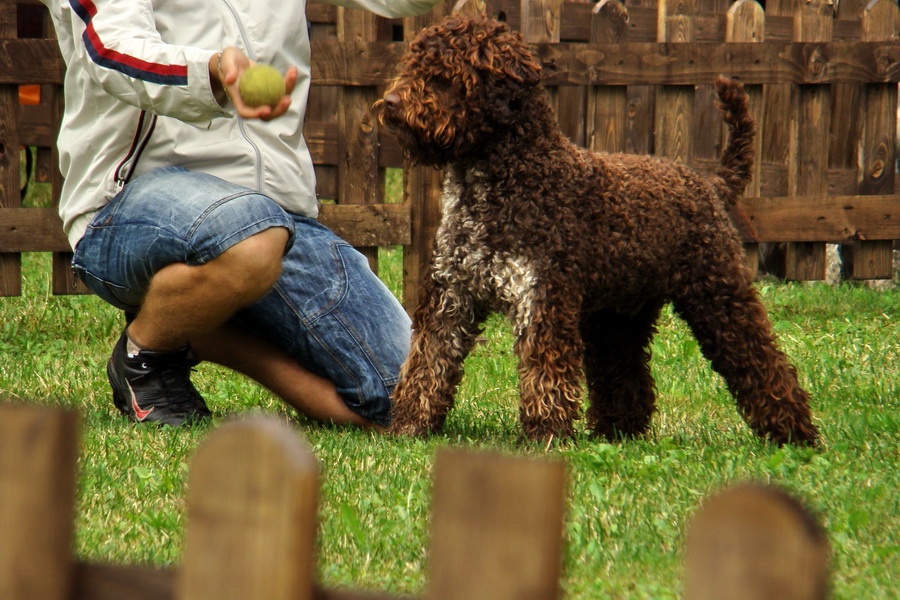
x=251 y=511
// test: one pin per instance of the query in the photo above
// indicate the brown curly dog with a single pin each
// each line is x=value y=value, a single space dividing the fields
x=580 y=250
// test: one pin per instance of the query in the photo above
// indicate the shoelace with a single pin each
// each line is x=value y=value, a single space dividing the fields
x=175 y=376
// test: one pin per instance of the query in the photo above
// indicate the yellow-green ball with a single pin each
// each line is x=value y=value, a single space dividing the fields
x=261 y=85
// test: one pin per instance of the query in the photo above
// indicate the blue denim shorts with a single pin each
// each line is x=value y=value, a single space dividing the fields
x=328 y=310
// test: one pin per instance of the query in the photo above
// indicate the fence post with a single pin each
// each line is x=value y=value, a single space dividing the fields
x=38 y=451
x=497 y=527
x=251 y=515
x=754 y=542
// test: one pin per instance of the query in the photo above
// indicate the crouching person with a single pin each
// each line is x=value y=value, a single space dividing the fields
x=194 y=212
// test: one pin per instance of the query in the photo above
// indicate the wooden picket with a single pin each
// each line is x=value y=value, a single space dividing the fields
x=634 y=77
x=251 y=514
x=752 y=542
x=251 y=521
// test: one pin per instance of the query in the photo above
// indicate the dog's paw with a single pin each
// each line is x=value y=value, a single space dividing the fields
x=800 y=434
x=547 y=433
x=407 y=429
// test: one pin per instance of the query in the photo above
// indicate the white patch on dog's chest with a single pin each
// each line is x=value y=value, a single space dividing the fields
x=498 y=280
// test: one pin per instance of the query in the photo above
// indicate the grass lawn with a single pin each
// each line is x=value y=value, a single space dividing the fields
x=628 y=503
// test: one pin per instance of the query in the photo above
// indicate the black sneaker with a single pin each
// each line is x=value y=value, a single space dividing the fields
x=155 y=386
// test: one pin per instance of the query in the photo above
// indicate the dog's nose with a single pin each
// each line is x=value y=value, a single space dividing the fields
x=391 y=99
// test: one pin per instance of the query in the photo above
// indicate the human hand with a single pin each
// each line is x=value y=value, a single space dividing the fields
x=230 y=65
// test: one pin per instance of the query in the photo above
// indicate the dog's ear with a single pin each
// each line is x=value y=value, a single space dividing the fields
x=509 y=72
x=525 y=67
x=507 y=56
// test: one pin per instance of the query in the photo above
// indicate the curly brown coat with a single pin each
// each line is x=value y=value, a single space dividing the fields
x=580 y=250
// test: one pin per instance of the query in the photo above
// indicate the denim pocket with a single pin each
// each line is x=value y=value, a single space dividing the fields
x=334 y=282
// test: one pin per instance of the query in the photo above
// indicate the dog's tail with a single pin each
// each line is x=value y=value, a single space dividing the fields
x=737 y=160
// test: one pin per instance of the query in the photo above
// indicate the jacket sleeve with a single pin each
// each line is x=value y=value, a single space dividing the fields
x=116 y=42
x=389 y=8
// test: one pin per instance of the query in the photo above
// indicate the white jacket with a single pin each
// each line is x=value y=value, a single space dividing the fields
x=130 y=60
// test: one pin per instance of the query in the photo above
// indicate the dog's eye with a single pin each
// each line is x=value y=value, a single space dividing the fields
x=444 y=92
x=440 y=85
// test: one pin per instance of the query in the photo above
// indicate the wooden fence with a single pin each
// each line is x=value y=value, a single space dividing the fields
x=251 y=522
x=635 y=77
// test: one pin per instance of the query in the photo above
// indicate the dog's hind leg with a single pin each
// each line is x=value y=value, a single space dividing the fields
x=730 y=323
x=445 y=326
x=617 y=369
x=550 y=351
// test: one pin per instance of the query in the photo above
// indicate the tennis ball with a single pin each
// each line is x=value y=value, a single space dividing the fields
x=261 y=85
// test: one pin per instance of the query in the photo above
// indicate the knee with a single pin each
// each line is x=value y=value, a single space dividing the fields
x=252 y=266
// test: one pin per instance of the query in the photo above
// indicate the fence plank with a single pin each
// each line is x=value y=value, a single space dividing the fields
x=638 y=62
x=647 y=63
x=369 y=224
x=38 y=452
x=706 y=128
x=571 y=101
x=28 y=60
x=320 y=124
x=874 y=260
x=63 y=278
x=497 y=527
x=755 y=543
x=675 y=104
x=10 y=264
x=251 y=515
x=746 y=22
x=776 y=130
x=421 y=192
x=809 y=164
x=608 y=105
x=359 y=179
x=97 y=581
x=836 y=219
x=40 y=229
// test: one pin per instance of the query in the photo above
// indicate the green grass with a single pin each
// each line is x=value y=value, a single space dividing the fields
x=628 y=504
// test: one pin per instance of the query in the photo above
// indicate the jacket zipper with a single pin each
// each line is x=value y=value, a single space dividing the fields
x=126 y=168
x=248 y=48
x=142 y=134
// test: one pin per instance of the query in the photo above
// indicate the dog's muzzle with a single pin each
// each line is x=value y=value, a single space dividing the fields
x=391 y=100
x=388 y=110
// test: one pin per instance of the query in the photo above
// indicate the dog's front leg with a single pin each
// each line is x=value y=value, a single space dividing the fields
x=445 y=326
x=550 y=350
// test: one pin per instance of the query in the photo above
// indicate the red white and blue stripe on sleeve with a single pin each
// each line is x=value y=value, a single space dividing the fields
x=129 y=65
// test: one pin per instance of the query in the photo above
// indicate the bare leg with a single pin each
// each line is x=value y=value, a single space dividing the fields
x=242 y=351
x=186 y=301
x=191 y=304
